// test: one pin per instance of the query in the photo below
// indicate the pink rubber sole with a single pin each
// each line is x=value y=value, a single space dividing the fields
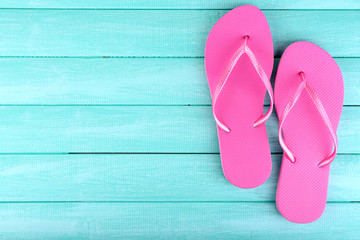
x=302 y=186
x=245 y=151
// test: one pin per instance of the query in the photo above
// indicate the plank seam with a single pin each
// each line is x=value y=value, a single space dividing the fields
x=177 y=9
x=141 y=57
x=159 y=202
x=135 y=153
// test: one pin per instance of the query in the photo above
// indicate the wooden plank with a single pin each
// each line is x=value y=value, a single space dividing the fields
x=144 y=177
x=53 y=129
x=161 y=33
x=119 y=81
x=182 y=4
x=171 y=221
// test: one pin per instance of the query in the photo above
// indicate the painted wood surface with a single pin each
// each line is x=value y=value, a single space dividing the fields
x=127 y=78
x=171 y=221
x=161 y=33
x=129 y=129
x=148 y=177
x=181 y=4
x=124 y=81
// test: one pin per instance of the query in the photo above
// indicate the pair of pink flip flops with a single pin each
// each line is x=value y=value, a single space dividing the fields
x=309 y=93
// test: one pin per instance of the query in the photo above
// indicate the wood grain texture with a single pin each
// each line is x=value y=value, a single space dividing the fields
x=150 y=129
x=143 y=177
x=137 y=108
x=171 y=221
x=181 y=4
x=161 y=33
x=124 y=81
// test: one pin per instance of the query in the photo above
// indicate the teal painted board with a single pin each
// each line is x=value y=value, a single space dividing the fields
x=124 y=81
x=161 y=33
x=171 y=221
x=181 y=4
x=163 y=179
x=148 y=177
x=129 y=129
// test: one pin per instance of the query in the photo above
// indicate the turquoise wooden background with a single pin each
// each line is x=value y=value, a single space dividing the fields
x=106 y=127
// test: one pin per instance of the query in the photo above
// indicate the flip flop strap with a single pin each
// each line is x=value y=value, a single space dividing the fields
x=316 y=100
x=244 y=48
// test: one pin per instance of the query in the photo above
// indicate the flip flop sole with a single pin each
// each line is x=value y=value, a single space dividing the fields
x=302 y=186
x=245 y=151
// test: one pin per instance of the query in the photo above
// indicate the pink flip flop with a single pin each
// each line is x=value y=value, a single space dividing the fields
x=309 y=94
x=239 y=58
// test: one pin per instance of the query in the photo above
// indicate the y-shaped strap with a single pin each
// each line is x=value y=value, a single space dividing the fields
x=244 y=48
x=321 y=110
